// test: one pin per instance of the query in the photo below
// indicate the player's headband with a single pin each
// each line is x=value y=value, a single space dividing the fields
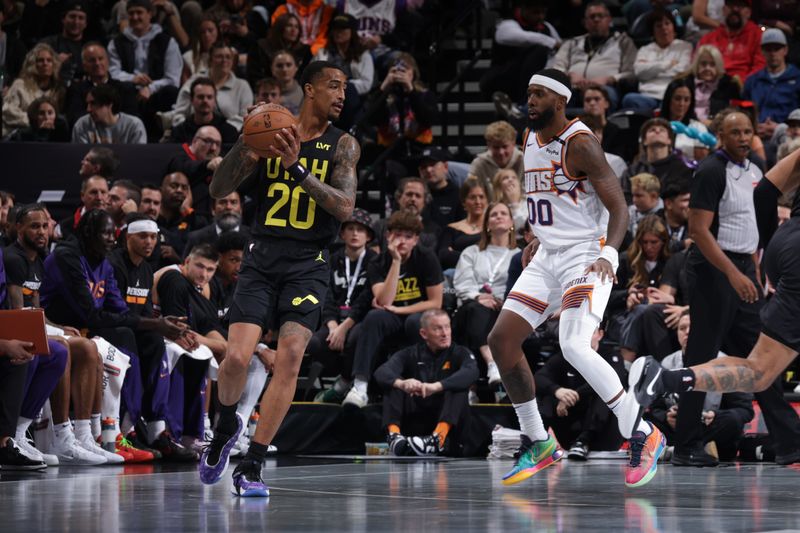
x=552 y=84
x=142 y=226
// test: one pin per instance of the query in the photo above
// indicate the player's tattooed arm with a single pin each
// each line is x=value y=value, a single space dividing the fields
x=586 y=158
x=235 y=167
x=338 y=198
x=728 y=376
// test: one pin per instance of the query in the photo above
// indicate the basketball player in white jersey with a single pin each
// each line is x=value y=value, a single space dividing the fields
x=570 y=192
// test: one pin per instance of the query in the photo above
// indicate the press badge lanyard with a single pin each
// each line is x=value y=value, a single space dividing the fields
x=352 y=281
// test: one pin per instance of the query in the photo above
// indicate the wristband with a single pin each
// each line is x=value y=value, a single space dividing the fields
x=298 y=172
x=611 y=255
x=260 y=346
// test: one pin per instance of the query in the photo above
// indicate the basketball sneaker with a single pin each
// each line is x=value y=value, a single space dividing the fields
x=247 y=481
x=358 y=399
x=171 y=450
x=532 y=457
x=644 y=386
x=645 y=450
x=12 y=459
x=29 y=450
x=216 y=456
x=124 y=446
x=88 y=443
x=70 y=452
x=425 y=446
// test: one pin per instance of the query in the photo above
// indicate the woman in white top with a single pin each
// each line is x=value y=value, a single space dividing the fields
x=658 y=62
x=39 y=76
x=195 y=60
x=234 y=95
x=507 y=189
x=480 y=283
x=678 y=105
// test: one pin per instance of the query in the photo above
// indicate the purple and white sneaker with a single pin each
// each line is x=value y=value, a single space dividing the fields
x=216 y=456
x=247 y=481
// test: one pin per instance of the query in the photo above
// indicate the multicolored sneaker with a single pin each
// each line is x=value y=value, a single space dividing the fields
x=247 y=481
x=126 y=448
x=645 y=452
x=532 y=457
x=216 y=456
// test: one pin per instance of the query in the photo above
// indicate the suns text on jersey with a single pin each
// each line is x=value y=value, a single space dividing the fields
x=539 y=180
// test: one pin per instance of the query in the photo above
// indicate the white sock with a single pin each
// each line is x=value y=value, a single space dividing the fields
x=341 y=385
x=360 y=386
x=22 y=427
x=96 y=427
x=63 y=431
x=154 y=429
x=256 y=378
x=616 y=406
x=83 y=430
x=530 y=421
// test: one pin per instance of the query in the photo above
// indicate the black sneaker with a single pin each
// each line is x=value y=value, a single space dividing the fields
x=12 y=459
x=788 y=458
x=579 y=451
x=505 y=107
x=140 y=444
x=398 y=445
x=645 y=380
x=173 y=451
x=693 y=456
x=425 y=446
x=247 y=481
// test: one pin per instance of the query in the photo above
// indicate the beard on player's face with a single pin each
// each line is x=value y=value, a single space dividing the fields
x=544 y=118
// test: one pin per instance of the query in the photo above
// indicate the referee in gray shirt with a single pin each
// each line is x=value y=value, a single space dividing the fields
x=725 y=292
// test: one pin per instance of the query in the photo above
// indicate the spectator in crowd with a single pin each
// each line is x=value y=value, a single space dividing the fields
x=6 y=204
x=713 y=88
x=176 y=219
x=596 y=103
x=348 y=302
x=284 y=34
x=384 y=27
x=134 y=278
x=599 y=56
x=480 y=283
x=268 y=90
x=198 y=161
x=638 y=281
x=71 y=294
x=165 y=13
x=445 y=206
x=645 y=192
x=502 y=153
x=94 y=195
x=233 y=95
x=104 y=123
x=344 y=50
x=580 y=420
x=656 y=140
x=780 y=14
x=412 y=195
x=123 y=199
x=196 y=58
x=675 y=195
x=522 y=45
x=508 y=190
x=776 y=88
x=240 y=22
x=425 y=386
x=203 y=112
x=723 y=415
x=314 y=17
x=284 y=69
x=738 y=39
x=150 y=59
x=658 y=62
x=178 y=293
x=11 y=61
x=151 y=201
x=706 y=16
x=405 y=281
x=46 y=18
x=95 y=72
x=791 y=139
x=231 y=246
x=617 y=164
x=227 y=216
x=467 y=231
x=45 y=124
x=150 y=206
x=69 y=42
x=38 y=77
x=98 y=161
x=678 y=105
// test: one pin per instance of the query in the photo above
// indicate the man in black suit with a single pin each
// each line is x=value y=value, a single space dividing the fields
x=227 y=214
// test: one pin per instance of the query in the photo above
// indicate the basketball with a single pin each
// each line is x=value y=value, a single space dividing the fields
x=261 y=126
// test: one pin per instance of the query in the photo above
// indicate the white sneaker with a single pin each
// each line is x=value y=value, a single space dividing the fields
x=26 y=448
x=72 y=453
x=94 y=447
x=356 y=398
x=241 y=446
x=493 y=374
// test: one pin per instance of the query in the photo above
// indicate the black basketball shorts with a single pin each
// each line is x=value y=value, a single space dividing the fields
x=780 y=317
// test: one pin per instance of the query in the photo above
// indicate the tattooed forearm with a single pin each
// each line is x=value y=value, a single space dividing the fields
x=339 y=197
x=237 y=165
x=518 y=382
x=722 y=376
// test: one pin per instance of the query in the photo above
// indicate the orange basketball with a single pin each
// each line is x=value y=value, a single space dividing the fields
x=261 y=126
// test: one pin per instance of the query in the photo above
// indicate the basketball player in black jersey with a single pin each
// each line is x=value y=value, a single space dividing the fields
x=304 y=191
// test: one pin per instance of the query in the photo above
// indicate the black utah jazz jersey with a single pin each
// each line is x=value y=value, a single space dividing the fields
x=285 y=210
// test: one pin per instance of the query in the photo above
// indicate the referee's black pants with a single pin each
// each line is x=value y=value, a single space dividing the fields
x=721 y=320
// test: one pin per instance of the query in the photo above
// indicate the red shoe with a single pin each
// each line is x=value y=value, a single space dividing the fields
x=113 y=448
x=137 y=455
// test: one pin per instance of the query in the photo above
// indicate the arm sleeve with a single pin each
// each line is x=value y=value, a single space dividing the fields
x=467 y=372
x=173 y=66
x=464 y=280
x=765 y=198
x=393 y=368
x=708 y=186
x=75 y=282
x=510 y=33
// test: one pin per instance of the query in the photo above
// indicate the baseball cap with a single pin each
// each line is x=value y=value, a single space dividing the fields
x=794 y=116
x=360 y=216
x=140 y=3
x=75 y=6
x=434 y=154
x=773 y=36
x=343 y=22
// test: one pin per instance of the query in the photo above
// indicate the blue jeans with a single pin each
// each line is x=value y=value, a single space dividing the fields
x=640 y=102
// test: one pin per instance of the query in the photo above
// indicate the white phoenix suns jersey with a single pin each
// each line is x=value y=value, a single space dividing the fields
x=562 y=209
